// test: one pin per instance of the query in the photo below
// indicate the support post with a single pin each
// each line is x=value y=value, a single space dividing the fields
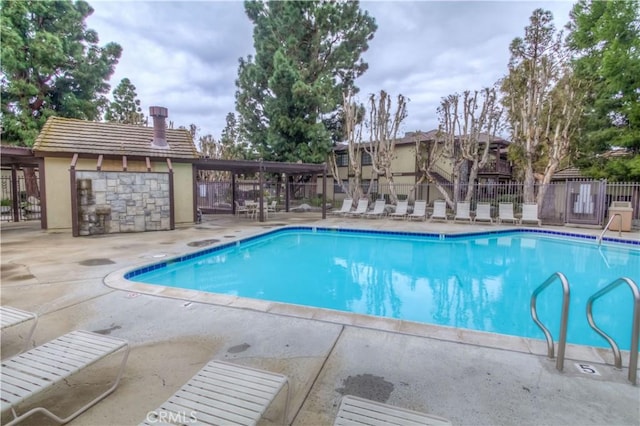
x=74 y=196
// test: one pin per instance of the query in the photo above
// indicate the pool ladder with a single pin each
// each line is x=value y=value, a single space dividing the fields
x=613 y=216
x=562 y=341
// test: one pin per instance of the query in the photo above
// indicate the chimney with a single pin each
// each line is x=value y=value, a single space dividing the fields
x=159 y=127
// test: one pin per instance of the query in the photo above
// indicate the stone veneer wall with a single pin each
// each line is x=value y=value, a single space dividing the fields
x=114 y=202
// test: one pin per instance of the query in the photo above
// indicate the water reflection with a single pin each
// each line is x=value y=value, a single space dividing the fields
x=480 y=283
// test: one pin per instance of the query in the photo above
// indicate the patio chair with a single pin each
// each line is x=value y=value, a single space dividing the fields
x=10 y=317
x=222 y=393
x=272 y=207
x=252 y=208
x=32 y=373
x=401 y=210
x=530 y=214
x=359 y=411
x=361 y=208
x=483 y=213
x=419 y=210
x=241 y=209
x=439 y=210
x=505 y=213
x=463 y=209
x=378 y=209
x=346 y=207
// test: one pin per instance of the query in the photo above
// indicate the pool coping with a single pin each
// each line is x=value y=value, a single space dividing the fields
x=118 y=280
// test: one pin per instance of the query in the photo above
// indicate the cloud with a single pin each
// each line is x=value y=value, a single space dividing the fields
x=184 y=54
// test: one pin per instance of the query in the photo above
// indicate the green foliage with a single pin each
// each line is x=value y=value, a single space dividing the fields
x=605 y=40
x=51 y=64
x=125 y=107
x=307 y=54
x=615 y=169
x=234 y=145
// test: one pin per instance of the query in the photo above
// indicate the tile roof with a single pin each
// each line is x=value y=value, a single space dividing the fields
x=69 y=136
x=567 y=173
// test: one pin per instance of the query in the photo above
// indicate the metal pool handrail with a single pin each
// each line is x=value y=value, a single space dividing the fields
x=562 y=341
x=635 y=329
x=613 y=216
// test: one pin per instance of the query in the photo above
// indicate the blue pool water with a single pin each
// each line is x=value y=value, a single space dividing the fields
x=476 y=281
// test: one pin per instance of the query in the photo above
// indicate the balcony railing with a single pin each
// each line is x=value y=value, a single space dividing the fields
x=496 y=167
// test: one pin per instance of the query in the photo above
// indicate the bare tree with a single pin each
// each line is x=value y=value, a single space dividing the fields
x=212 y=149
x=543 y=103
x=481 y=121
x=468 y=125
x=383 y=131
x=449 y=129
x=429 y=152
x=353 y=137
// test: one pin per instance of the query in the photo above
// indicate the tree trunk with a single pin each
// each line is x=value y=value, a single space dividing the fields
x=31 y=182
x=529 y=183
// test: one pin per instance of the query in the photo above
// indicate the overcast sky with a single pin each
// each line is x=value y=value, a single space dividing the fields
x=183 y=55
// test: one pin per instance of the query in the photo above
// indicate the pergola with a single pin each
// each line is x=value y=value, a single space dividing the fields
x=261 y=167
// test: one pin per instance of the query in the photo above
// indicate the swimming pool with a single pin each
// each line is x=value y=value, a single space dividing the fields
x=475 y=281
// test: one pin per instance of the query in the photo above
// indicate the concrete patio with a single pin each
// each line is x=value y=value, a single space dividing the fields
x=468 y=377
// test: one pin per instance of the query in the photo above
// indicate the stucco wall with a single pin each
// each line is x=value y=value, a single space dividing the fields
x=58 y=192
x=182 y=190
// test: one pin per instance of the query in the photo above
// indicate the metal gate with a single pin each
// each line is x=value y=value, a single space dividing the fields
x=214 y=197
x=16 y=205
x=585 y=202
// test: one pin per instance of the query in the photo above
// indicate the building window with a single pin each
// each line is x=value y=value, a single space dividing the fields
x=366 y=159
x=338 y=189
x=373 y=183
x=342 y=159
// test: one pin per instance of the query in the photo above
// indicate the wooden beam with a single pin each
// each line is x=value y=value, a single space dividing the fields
x=124 y=163
x=74 y=161
x=169 y=164
x=148 y=161
x=99 y=165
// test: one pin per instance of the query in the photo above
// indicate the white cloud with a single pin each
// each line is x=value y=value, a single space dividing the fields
x=184 y=54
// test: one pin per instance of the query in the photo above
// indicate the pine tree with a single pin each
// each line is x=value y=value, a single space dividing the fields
x=51 y=64
x=307 y=55
x=125 y=107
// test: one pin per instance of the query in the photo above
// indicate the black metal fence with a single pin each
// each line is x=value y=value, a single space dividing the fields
x=216 y=197
x=572 y=202
x=24 y=208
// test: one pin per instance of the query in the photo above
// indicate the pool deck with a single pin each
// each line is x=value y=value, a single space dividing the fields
x=471 y=378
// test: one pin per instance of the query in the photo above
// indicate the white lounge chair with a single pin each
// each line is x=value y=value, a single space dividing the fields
x=483 y=213
x=378 y=209
x=346 y=207
x=419 y=210
x=10 y=317
x=463 y=211
x=222 y=394
x=505 y=213
x=401 y=210
x=359 y=411
x=30 y=374
x=530 y=214
x=361 y=208
x=272 y=207
x=439 y=210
